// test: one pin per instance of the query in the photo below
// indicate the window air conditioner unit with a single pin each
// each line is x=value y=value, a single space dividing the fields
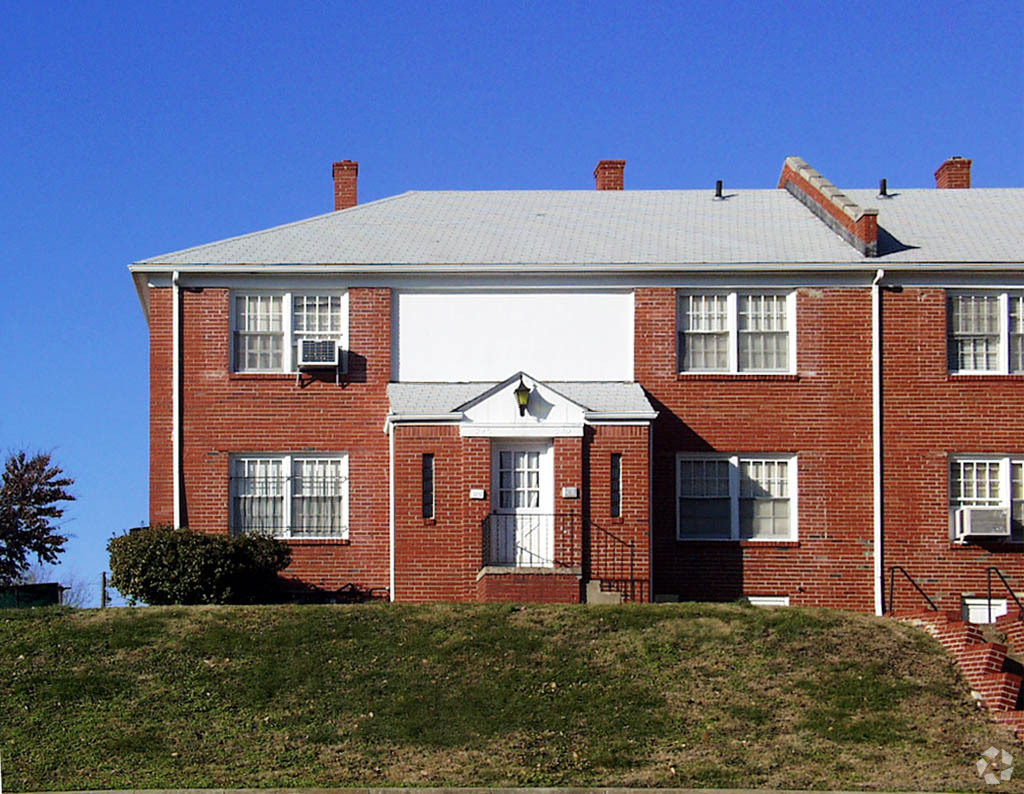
x=982 y=522
x=315 y=353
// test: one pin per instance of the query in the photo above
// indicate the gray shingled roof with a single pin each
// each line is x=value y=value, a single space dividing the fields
x=435 y=399
x=640 y=227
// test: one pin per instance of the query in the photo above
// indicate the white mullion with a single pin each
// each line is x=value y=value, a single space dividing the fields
x=1005 y=490
x=791 y=329
x=732 y=303
x=286 y=488
x=286 y=326
x=734 y=497
x=793 y=492
x=1004 y=333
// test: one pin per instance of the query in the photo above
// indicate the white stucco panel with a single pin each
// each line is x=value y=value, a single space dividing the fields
x=485 y=335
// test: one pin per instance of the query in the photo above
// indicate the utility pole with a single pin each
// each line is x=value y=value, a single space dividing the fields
x=103 y=599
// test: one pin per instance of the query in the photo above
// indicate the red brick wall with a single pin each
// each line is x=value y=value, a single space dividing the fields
x=619 y=548
x=227 y=413
x=553 y=588
x=930 y=415
x=437 y=559
x=823 y=414
x=161 y=357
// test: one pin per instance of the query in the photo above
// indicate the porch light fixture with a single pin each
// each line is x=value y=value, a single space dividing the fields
x=522 y=396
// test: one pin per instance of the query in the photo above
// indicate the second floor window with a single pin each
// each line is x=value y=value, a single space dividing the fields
x=735 y=331
x=986 y=332
x=269 y=327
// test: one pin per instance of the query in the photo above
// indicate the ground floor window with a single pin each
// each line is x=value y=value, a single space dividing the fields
x=986 y=493
x=290 y=496
x=736 y=497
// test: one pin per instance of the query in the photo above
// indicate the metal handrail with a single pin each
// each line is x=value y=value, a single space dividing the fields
x=988 y=578
x=892 y=588
x=625 y=546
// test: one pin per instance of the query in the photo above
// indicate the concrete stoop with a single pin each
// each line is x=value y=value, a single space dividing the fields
x=596 y=595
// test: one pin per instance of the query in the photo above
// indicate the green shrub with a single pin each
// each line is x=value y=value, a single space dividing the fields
x=159 y=565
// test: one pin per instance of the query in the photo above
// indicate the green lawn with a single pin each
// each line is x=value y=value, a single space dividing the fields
x=663 y=695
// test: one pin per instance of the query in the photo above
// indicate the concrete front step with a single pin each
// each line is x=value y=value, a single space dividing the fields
x=595 y=595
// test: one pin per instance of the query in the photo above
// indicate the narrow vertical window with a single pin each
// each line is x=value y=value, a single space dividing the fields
x=428 y=485
x=616 y=485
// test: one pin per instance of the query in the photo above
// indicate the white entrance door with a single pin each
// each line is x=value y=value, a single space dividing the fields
x=522 y=525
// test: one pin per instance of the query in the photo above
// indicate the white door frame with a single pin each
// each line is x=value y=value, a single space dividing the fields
x=524 y=536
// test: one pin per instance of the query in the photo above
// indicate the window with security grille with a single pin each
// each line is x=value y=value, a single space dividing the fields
x=290 y=496
x=735 y=331
x=985 y=332
x=734 y=497
x=269 y=327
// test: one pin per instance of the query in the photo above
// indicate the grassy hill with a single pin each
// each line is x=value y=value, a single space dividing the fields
x=664 y=695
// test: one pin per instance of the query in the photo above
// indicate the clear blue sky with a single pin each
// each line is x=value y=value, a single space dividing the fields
x=131 y=129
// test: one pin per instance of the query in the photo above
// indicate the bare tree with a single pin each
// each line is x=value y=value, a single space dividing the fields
x=30 y=489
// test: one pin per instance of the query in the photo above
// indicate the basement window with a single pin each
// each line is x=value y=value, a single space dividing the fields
x=268 y=327
x=985 y=332
x=736 y=331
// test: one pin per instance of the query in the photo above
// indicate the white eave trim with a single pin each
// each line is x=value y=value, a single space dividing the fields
x=599 y=416
x=573 y=267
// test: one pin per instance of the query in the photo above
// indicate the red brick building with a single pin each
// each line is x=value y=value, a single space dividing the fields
x=792 y=394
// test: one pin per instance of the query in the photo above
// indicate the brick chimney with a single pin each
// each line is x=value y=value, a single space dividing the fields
x=610 y=175
x=954 y=173
x=345 y=174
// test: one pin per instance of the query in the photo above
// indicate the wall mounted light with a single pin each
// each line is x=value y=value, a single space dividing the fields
x=522 y=396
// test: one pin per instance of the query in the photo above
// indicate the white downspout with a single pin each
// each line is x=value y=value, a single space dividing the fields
x=876 y=434
x=650 y=511
x=391 y=511
x=176 y=395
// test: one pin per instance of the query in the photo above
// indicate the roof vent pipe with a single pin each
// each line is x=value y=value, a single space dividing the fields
x=718 y=189
x=883 y=189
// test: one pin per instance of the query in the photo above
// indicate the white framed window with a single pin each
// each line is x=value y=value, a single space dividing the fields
x=736 y=497
x=268 y=326
x=988 y=481
x=290 y=496
x=985 y=332
x=736 y=331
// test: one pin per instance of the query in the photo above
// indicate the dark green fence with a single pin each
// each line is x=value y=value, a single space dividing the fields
x=30 y=595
